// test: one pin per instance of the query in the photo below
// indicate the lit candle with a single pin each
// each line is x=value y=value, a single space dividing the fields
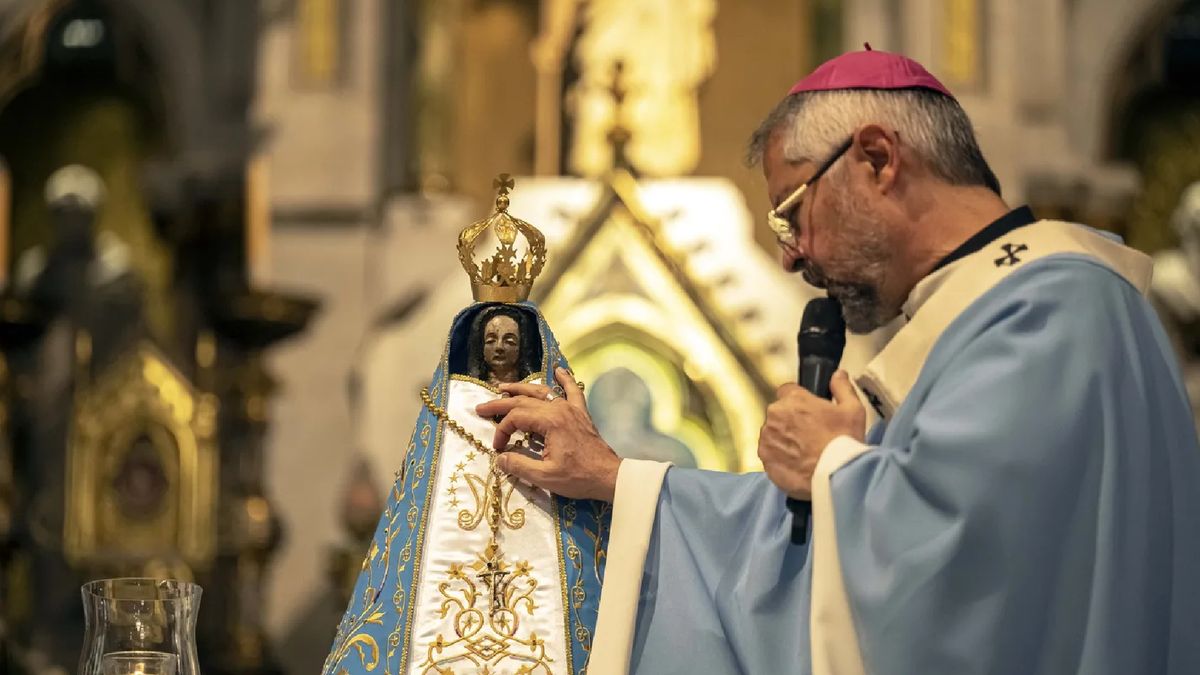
x=258 y=220
x=139 y=663
x=5 y=216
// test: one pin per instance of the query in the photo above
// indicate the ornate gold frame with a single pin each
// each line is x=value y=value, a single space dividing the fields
x=141 y=394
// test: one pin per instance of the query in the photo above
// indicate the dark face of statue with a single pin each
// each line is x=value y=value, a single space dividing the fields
x=501 y=348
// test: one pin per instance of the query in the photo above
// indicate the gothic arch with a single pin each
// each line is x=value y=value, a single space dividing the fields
x=1103 y=35
x=1154 y=121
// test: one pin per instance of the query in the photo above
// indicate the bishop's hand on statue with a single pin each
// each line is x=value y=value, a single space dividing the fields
x=471 y=570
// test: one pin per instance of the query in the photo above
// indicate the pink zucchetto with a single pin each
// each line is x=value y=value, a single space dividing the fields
x=870 y=69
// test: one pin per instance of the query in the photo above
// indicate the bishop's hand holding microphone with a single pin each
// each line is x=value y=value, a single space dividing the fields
x=803 y=420
x=820 y=342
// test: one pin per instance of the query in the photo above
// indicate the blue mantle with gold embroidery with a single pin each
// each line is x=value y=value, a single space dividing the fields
x=378 y=632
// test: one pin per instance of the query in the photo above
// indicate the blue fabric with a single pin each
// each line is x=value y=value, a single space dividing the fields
x=585 y=529
x=723 y=589
x=1032 y=507
x=374 y=634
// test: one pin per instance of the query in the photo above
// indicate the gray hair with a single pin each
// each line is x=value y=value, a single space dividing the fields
x=934 y=125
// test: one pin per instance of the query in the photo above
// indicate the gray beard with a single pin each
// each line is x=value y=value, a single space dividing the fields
x=862 y=307
x=862 y=304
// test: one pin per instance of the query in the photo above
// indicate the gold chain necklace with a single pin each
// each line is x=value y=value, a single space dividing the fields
x=492 y=557
x=457 y=428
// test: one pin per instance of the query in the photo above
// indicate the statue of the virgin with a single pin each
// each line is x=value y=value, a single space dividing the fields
x=471 y=571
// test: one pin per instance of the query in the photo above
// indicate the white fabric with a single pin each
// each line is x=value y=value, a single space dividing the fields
x=446 y=544
x=834 y=641
x=635 y=503
x=890 y=376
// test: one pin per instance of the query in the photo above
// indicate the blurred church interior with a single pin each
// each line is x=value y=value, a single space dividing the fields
x=227 y=231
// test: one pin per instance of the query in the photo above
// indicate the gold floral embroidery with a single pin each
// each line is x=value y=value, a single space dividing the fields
x=352 y=632
x=484 y=640
x=487 y=600
x=403 y=627
x=494 y=492
x=562 y=585
x=577 y=592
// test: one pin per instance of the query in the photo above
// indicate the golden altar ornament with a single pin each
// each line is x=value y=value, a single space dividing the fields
x=142 y=465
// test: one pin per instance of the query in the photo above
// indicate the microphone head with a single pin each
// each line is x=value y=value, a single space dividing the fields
x=822 y=330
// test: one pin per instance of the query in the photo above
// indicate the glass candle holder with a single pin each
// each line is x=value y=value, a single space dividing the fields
x=140 y=626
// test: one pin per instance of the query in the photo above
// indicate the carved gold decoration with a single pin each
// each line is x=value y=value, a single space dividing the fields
x=668 y=50
x=549 y=52
x=668 y=319
x=319 y=29
x=5 y=215
x=962 y=37
x=505 y=276
x=141 y=465
x=7 y=484
x=487 y=633
x=1163 y=140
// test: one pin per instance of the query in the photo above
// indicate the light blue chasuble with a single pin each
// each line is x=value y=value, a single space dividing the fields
x=1029 y=504
x=432 y=597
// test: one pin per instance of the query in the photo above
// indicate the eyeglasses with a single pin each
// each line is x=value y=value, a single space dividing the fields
x=779 y=219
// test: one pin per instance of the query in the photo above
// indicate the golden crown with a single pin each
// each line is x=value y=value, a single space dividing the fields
x=504 y=277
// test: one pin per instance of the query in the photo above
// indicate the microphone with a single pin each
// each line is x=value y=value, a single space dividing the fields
x=820 y=342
